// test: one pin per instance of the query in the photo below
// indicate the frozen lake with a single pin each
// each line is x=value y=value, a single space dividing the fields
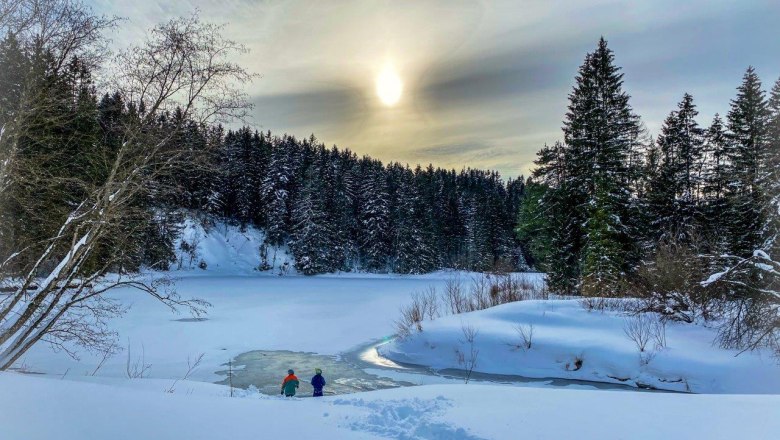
x=363 y=369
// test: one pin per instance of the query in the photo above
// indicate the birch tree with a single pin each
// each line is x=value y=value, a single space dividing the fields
x=184 y=66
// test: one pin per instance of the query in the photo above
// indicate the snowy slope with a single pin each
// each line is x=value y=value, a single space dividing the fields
x=39 y=408
x=226 y=249
x=565 y=331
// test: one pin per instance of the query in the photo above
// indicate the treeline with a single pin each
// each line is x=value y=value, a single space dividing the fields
x=336 y=211
x=689 y=220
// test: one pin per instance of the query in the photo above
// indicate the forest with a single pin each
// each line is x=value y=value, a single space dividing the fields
x=96 y=179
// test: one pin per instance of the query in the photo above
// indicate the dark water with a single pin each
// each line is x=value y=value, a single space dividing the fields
x=363 y=369
x=266 y=369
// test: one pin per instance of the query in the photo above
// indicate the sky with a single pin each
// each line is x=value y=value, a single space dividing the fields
x=484 y=84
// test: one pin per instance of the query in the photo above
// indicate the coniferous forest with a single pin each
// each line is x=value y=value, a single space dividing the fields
x=261 y=219
x=336 y=211
x=684 y=218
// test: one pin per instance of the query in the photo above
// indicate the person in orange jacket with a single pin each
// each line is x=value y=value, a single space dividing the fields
x=290 y=384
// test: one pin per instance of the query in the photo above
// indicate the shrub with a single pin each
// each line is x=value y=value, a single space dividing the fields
x=526 y=334
x=485 y=290
x=639 y=328
x=670 y=282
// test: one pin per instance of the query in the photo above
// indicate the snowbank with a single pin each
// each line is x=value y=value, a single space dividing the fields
x=35 y=408
x=564 y=332
x=226 y=249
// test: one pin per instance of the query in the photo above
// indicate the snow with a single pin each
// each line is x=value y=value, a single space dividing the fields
x=324 y=314
x=227 y=249
x=564 y=331
x=251 y=310
x=333 y=314
x=33 y=409
x=713 y=278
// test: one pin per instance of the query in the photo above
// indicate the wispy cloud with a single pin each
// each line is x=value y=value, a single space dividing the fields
x=485 y=82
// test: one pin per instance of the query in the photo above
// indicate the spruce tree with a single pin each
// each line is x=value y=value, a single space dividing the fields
x=601 y=133
x=242 y=176
x=277 y=191
x=674 y=195
x=15 y=65
x=550 y=225
x=374 y=219
x=747 y=130
x=771 y=175
x=715 y=185
x=311 y=242
x=412 y=240
x=532 y=230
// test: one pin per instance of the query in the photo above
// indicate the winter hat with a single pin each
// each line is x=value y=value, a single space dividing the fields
x=290 y=371
x=317 y=371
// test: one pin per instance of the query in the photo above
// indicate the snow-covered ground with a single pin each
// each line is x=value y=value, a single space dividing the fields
x=563 y=331
x=332 y=314
x=325 y=315
x=39 y=408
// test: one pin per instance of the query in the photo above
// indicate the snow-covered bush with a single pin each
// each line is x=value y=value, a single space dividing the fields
x=601 y=304
x=749 y=307
x=670 y=283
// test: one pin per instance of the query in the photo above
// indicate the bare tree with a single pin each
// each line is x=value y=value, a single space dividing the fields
x=658 y=330
x=430 y=303
x=639 y=328
x=106 y=354
x=136 y=368
x=184 y=66
x=412 y=316
x=455 y=296
x=62 y=27
x=192 y=365
x=481 y=288
x=468 y=359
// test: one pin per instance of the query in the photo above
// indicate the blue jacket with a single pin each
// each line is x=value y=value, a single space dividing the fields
x=318 y=382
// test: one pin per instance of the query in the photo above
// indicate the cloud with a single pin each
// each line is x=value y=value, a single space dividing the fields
x=338 y=106
x=486 y=82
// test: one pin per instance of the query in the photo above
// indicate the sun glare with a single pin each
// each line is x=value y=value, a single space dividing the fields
x=389 y=86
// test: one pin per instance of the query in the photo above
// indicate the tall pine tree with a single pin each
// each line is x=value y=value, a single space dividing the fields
x=747 y=129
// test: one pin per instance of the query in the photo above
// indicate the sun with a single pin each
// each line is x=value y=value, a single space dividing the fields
x=389 y=86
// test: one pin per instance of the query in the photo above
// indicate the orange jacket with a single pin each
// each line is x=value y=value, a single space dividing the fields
x=289 y=385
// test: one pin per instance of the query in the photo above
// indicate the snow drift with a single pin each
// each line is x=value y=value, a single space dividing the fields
x=570 y=342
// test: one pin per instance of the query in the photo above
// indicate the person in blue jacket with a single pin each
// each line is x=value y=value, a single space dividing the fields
x=317 y=382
